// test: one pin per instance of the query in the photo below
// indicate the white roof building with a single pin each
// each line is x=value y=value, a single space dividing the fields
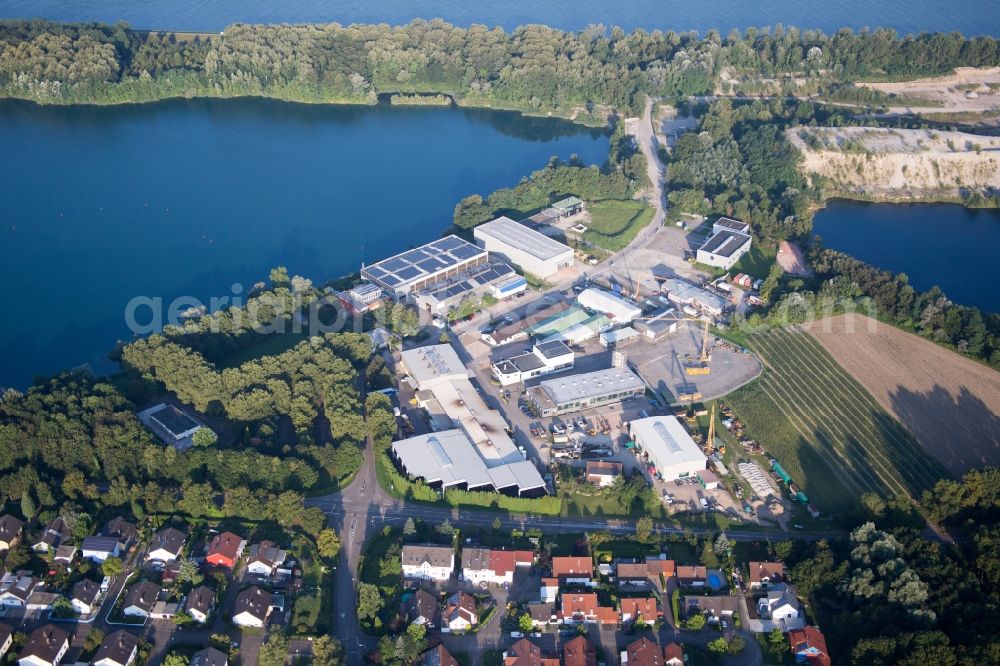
x=668 y=445
x=615 y=307
x=577 y=392
x=685 y=293
x=730 y=240
x=532 y=251
x=432 y=365
x=619 y=337
x=544 y=359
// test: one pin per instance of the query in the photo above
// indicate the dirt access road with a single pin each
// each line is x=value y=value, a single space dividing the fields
x=967 y=90
x=951 y=404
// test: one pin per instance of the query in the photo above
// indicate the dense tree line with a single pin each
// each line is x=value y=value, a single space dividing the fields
x=739 y=163
x=893 y=596
x=533 y=67
x=72 y=444
x=931 y=314
x=543 y=187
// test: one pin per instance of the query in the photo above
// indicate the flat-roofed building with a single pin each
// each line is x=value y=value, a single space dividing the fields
x=520 y=329
x=362 y=297
x=729 y=241
x=669 y=447
x=685 y=293
x=531 y=251
x=568 y=207
x=432 y=365
x=615 y=307
x=416 y=269
x=578 y=392
x=448 y=459
x=545 y=358
x=440 y=297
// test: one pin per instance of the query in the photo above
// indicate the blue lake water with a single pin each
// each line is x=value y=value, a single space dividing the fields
x=972 y=17
x=102 y=204
x=934 y=244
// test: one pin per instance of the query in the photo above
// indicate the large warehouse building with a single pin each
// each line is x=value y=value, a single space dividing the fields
x=592 y=389
x=615 y=307
x=729 y=241
x=672 y=452
x=470 y=448
x=531 y=251
x=421 y=267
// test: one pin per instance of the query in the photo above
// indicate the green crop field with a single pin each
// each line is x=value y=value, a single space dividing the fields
x=825 y=429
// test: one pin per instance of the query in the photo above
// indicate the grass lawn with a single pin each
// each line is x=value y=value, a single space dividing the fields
x=827 y=431
x=757 y=262
x=613 y=224
x=316 y=591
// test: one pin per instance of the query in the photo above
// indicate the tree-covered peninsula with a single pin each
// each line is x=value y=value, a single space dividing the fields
x=533 y=68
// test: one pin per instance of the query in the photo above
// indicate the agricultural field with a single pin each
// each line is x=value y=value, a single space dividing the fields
x=951 y=404
x=834 y=439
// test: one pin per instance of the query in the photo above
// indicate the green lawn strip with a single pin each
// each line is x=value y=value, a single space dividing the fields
x=912 y=454
x=614 y=223
x=757 y=262
x=849 y=421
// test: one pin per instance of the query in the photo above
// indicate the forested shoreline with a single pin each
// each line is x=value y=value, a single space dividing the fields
x=533 y=68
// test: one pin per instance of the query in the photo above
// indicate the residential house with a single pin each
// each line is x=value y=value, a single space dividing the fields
x=126 y=533
x=602 y=473
x=200 y=603
x=460 y=612
x=252 y=607
x=696 y=576
x=809 y=646
x=52 y=536
x=6 y=639
x=763 y=574
x=781 y=607
x=225 y=550
x=715 y=609
x=171 y=570
x=45 y=647
x=15 y=588
x=118 y=649
x=642 y=652
x=265 y=559
x=99 y=548
x=84 y=595
x=166 y=545
x=10 y=532
x=636 y=608
x=549 y=590
x=661 y=566
x=140 y=599
x=673 y=655
x=64 y=554
x=577 y=607
x=428 y=562
x=573 y=569
x=526 y=653
x=40 y=601
x=209 y=657
x=542 y=614
x=164 y=610
x=483 y=565
x=422 y=608
x=437 y=656
x=579 y=651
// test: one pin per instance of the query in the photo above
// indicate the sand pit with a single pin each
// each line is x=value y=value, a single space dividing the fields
x=791 y=260
x=967 y=90
x=949 y=403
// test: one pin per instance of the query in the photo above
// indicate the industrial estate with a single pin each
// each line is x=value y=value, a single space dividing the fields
x=633 y=414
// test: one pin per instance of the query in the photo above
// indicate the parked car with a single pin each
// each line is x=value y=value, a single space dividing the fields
x=516 y=634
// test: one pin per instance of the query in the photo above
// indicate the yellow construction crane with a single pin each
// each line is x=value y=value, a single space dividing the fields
x=701 y=367
x=710 y=441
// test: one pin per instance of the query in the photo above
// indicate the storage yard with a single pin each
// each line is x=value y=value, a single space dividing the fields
x=827 y=431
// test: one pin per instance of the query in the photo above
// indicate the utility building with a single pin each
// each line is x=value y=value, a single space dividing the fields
x=578 y=392
x=615 y=307
x=729 y=241
x=671 y=451
x=530 y=250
